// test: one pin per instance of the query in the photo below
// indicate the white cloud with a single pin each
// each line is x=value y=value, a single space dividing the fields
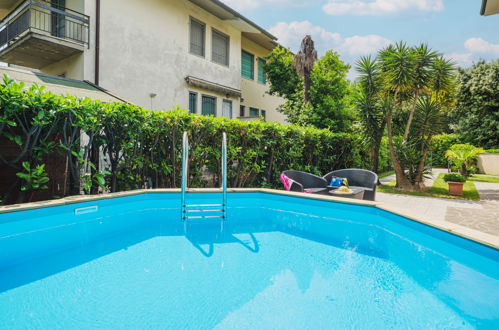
x=290 y=35
x=248 y=5
x=361 y=45
x=478 y=45
x=380 y=7
x=477 y=48
x=350 y=48
x=461 y=59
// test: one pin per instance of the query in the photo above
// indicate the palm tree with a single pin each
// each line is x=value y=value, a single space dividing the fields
x=428 y=121
x=420 y=80
x=370 y=107
x=397 y=65
x=462 y=156
x=304 y=63
x=424 y=59
x=443 y=78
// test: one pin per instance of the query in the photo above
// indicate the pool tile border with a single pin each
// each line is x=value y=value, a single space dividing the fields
x=468 y=233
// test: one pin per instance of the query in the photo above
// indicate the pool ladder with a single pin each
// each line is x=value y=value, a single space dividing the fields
x=203 y=208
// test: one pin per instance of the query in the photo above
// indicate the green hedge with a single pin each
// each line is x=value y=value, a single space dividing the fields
x=145 y=146
x=440 y=144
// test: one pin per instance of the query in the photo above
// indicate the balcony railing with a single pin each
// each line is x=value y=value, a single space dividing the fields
x=34 y=16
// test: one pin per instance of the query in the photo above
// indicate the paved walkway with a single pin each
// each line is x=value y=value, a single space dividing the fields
x=482 y=215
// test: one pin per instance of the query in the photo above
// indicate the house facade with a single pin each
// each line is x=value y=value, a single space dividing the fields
x=198 y=54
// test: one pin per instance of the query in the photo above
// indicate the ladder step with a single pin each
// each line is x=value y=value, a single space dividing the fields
x=203 y=216
x=201 y=205
x=203 y=210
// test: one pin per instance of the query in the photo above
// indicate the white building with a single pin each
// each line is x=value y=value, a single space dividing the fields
x=198 y=54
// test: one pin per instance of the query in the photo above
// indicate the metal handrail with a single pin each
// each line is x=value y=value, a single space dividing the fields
x=39 y=17
x=224 y=173
x=185 y=169
x=184 y=183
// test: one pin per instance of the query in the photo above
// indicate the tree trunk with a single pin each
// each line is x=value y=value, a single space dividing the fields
x=402 y=181
x=464 y=170
x=94 y=158
x=411 y=117
x=419 y=182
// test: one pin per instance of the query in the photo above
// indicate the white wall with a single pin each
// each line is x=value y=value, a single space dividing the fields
x=254 y=93
x=145 y=49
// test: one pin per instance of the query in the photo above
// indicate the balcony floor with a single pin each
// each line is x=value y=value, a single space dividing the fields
x=35 y=50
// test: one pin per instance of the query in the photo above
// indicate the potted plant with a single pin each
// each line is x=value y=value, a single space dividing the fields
x=456 y=182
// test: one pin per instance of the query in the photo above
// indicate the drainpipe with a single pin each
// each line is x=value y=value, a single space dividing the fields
x=95 y=152
x=97 y=40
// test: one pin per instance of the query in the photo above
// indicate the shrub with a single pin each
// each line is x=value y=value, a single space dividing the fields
x=454 y=177
x=143 y=147
x=462 y=156
x=492 y=151
x=439 y=145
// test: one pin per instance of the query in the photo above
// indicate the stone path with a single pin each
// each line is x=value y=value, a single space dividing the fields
x=482 y=215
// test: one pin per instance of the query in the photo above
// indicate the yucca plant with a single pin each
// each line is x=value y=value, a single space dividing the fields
x=412 y=83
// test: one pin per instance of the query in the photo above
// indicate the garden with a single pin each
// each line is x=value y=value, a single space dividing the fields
x=409 y=109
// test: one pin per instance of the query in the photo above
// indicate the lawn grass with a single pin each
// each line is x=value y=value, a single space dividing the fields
x=439 y=189
x=484 y=178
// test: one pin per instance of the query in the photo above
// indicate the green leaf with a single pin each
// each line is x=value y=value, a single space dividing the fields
x=87 y=185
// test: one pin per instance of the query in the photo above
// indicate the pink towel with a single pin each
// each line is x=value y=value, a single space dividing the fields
x=287 y=183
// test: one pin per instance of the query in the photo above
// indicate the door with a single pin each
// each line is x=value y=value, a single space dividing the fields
x=58 y=20
x=227 y=108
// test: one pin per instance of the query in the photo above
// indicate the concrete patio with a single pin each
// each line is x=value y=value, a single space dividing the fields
x=481 y=215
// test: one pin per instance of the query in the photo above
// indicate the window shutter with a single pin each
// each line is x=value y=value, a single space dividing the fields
x=197 y=37
x=247 y=65
x=192 y=102
x=220 y=48
x=208 y=105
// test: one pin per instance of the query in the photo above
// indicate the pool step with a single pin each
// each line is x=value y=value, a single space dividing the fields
x=186 y=210
x=203 y=216
x=203 y=210
x=202 y=205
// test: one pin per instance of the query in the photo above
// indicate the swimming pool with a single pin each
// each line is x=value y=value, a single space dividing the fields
x=278 y=261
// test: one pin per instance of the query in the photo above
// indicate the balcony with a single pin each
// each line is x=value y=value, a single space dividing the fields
x=36 y=35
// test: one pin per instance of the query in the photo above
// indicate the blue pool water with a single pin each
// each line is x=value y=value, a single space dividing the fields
x=277 y=262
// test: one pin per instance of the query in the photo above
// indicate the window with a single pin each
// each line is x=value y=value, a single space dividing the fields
x=197 y=37
x=219 y=48
x=227 y=108
x=58 y=21
x=247 y=65
x=208 y=105
x=261 y=71
x=264 y=114
x=253 y=112
x=193 y=102
x=241 y=110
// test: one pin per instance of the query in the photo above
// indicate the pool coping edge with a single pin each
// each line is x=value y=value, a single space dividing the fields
x=468 y=233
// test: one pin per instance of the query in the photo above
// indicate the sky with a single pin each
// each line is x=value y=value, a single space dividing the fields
x=355 y=28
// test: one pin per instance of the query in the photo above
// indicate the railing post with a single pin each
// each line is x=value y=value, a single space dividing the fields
x=224 y=174
x=185 y=171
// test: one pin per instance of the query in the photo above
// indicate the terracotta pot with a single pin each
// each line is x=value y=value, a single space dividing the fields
x=456 y=188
